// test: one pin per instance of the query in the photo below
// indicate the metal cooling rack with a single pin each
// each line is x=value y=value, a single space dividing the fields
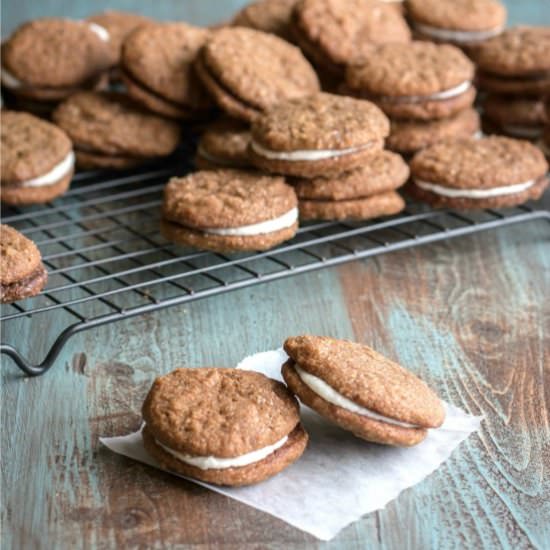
x=107 y=260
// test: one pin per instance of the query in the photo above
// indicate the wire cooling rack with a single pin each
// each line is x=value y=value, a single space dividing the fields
x=107 y=260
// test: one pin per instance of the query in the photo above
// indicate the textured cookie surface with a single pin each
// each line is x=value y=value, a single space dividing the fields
x=271 y=16
x=219 y=412
x=20 y=257
x=225 y=142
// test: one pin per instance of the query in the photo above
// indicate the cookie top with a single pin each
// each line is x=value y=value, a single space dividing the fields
x=415 y=69
x=517 y=51
x=344 y=31
x=56 y=53
x=383 y=172
x=160 y=57
x=19 y=256
x=226 y=139
x=260 y=69
x=271 y=16
x=521 y=111
x=30 y=147
x=219 y=199
x=322 y=121
x=367 y=378
x=110 y=123
x=479 y=163
x=467 y=15
x=219 y=412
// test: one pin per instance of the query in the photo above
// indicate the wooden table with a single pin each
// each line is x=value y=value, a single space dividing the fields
x=471 y=316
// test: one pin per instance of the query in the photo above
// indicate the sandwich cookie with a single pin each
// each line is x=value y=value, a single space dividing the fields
x=248 y=71
x=22 y=273
x=319 y=135
x=229 y=210
x=109 y=130
x=334 y=34
x=222 y=426
x=224 y=144
x=36 y=159
x=157 y=69
x=491 y=172
x=419 y=81
x=361 y=390
x=516 y=62
x=459 y=22
x=271 y=16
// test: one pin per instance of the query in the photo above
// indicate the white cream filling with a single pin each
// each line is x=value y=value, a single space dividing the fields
x=269 y=226
x=305 y=155
x=54 y=175
x=102 y=32
x=217 y=463
x=462 y=37
x=322 y=389
x=474 y=193
x=8 y=80
x=439 y=96
x=216 y=160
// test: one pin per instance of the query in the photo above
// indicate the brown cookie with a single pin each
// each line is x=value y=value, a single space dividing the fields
x=36 y=159
x=248 y=71
x=491 y=172
x=22 y=273
x=271 y=16
x=222 y=426
x=319 y=135
x=544 y=142
x=334 y=34
x=419 y=81
x=361 y=390
x=229 y=210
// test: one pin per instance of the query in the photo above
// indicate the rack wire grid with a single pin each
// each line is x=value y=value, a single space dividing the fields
x=107 y=260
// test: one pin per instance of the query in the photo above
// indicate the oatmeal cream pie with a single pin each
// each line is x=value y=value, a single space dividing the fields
x=271 y=16
x=420 y=80
x=321 y=134
x=36 y=159
x=22 y=273
x=223 y=426
x=229 y=210
x=491 y=172
x=249 y=71
x=361 y=390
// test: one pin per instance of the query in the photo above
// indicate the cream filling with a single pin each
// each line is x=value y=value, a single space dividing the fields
x=8 y=80
x=216 y=160
x=461 y=37
x=439 y=96
x=305 y=155
x=474 y=193
x=517 y=130
x=269 y=226
x=217 y=463
x=322 y=389
x=54 y=175
x=102 y=32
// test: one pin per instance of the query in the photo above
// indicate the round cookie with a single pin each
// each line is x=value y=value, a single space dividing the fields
x=248 y=71
x=36 y=159
x=459 y=22
x=223 y=426
x=229 y=210
x=319 y=135
x=110 y=126
x=361 y=390
x=409 y=136
x=491 y=172
x=334 y=34
x=22 y=273
x=420 y=80
x=271 y=16
x=157 y=69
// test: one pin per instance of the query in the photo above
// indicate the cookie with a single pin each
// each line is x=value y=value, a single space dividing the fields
x=222 y=426
x=229 y=210
x=334 y=34
x=248 y=71
x=492 y=172
x=409 y=136
x=319 y=135
x=361 y=390
x=419 y=81
x=36 y=159
x=459 y=22
x=157 y=69
x=271 y=16
x=544 y=142
x=22 y=273
x=113 y=130
x=49 y=59
x=516 y=62
x=224 y=144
